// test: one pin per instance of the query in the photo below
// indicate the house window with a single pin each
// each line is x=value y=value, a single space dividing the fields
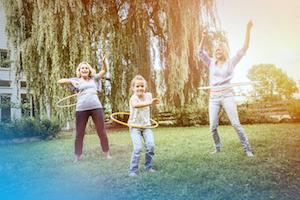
x=4 y=62
x=5 y=83
x=3 y=54
x=5 y=108
x=23 y=84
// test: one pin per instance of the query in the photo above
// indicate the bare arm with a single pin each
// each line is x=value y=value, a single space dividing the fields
x=247 y=39
x=136 y=104
x=104 y=66
x=204 y=34
x=65 y=81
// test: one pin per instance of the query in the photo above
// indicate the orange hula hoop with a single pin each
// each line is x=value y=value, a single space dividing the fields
x=134 y=126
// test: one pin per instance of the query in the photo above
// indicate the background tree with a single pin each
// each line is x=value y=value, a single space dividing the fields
x=182 y=71
x=274 y=83
x=50 y=38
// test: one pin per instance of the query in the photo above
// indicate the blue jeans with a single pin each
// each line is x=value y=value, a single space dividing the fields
x=225 y=100
x=136 y=135
x=81 y=120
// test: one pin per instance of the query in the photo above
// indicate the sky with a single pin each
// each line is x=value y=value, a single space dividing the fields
x=274 y=37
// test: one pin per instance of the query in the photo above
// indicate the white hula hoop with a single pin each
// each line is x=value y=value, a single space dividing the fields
x=230 y=85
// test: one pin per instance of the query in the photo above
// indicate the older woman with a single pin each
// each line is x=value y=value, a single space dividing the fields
x=221 y=71
x=88 y=104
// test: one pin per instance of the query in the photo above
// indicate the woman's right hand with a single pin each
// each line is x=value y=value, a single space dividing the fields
x=204 y=33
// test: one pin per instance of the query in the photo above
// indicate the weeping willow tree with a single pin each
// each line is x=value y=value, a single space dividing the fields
x=182 y=70
x=138 y=22
x=50 y=38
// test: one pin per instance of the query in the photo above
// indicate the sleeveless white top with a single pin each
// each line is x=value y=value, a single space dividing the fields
x=140 y=116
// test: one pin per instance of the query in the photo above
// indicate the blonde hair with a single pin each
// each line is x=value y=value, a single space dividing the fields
x=135 y=79
x=92 y=72
x=224 y=48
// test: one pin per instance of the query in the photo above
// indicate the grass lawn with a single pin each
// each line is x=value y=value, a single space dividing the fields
x=184 y=167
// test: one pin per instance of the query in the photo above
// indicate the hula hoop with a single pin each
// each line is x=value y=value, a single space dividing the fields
x=230 y=85
x=73 y=95
x=125 y=124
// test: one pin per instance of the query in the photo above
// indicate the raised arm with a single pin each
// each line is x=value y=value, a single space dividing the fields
x=104 y=66
x=247 y=39
x=201 y=52
x=204 y=34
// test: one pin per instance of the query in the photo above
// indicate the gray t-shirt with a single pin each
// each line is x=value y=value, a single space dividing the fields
x=140 y=116
x=88 y=100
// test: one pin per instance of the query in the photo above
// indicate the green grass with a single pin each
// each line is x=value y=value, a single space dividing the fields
x=185 y=168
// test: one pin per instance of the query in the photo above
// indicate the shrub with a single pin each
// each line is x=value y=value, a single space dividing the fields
x=29 y=127
x=49 y=127
x=251 y=116
x=191 y=115
x=247 y=116
x=294 y=110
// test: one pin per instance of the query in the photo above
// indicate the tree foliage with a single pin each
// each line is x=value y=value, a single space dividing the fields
x=274 y=83
x=50 y=38
x=183 y=72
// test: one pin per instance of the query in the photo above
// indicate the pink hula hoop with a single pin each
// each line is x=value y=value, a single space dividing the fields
x=73 y=95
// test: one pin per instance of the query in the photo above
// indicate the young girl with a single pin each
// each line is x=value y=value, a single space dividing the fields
x=140 y=116
x=221 y=70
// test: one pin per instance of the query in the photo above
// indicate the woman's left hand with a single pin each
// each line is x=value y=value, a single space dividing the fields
x=249 y=25
x=105 y=56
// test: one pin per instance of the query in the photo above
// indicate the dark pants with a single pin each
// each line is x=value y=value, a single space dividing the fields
x=81 y=120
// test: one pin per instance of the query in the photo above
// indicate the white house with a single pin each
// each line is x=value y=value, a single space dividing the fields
x=10 y=90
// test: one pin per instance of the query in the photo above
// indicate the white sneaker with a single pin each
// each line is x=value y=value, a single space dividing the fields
x=250 y=154
x=151 y=170
x=132 y=174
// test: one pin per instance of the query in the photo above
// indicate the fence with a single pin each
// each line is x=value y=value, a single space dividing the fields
x=277 y=108
x=166 y=117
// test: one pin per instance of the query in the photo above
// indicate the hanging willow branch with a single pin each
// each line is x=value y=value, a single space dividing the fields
x=183 y=72
x=53 y=37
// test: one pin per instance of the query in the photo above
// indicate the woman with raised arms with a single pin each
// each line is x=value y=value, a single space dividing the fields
x=88 y=104
x=221 y=71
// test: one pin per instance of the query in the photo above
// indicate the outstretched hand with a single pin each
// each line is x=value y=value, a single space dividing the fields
x=204 y=33
x=106 y=55
x=249 y=25
x=154 y=102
